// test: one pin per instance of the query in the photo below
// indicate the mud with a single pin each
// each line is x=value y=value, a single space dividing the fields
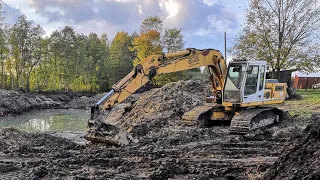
x=175 y=152
x=16 y=102
x=301 y=158
x=164 y=149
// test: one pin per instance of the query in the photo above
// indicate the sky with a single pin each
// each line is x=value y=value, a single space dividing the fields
x=203 y=22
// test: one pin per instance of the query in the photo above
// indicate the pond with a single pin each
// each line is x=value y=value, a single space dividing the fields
x=57 y=120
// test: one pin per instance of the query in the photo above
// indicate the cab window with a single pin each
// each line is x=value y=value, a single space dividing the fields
x=262 y=72
x=252 y=80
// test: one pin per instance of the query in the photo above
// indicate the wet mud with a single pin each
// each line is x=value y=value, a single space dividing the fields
x=301 y=158
x=176 y=153
x=16 y=102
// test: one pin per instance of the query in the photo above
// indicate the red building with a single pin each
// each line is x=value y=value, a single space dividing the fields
x=301 y=81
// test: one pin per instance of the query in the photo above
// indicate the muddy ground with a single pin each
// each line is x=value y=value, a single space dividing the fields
x=163 y=148
x=301 y=158
x=17 y=102
x=175 y=153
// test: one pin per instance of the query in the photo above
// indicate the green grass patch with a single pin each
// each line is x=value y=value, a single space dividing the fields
x=302 y=109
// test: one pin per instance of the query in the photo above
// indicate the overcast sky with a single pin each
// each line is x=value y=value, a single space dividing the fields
x=202 y=21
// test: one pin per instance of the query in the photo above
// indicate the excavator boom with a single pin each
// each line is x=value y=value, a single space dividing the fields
x=99 y=129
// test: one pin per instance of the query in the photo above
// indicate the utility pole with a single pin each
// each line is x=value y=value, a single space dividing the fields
x=225 y=45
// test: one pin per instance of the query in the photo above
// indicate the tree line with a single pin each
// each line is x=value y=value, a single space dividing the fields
x=285 y=33
x=69 y=61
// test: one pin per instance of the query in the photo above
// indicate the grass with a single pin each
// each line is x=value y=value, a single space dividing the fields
x=312 y=96
x=305 y=107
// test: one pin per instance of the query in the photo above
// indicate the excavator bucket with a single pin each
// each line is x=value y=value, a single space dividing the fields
x=102 y=132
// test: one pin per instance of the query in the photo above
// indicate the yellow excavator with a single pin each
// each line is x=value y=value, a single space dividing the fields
x=242 y=97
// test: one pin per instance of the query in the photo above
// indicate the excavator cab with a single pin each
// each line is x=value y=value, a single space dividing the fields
x=247 y=94
x=245 y=82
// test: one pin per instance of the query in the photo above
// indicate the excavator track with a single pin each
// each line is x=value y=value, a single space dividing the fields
x=250 y=119
x=191 y=117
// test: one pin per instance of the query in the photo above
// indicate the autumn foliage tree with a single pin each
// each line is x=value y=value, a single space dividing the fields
x=152 y=40
x=146 y=44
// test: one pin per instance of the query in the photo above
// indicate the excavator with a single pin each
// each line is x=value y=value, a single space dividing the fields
x=241 y=97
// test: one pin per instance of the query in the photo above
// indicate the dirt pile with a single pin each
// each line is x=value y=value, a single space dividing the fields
x=14 y=102
x=25 y=156
x=82 y=102
x=301 y=159
x=159 y=108
x=292 y=93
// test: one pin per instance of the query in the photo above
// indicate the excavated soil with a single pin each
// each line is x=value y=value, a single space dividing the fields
x=164 y=149
x=17 y=102
x=301 y=159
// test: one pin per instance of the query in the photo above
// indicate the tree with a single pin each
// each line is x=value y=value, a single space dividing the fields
x=103 y=73
x=146 y=44
x=68 y=39
x=151 y=23
x=282 y=32
x=173 y=40
x=3 y=46
x=55 y=64
x=120 y=61
x=25 y=41
x=35 y=51
x=68 y=61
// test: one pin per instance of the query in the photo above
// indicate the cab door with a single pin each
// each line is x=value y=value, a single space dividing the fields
x=250 y=90
x=261 y=85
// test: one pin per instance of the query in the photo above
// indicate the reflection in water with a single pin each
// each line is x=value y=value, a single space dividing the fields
x=40 y=124
x=48 y=120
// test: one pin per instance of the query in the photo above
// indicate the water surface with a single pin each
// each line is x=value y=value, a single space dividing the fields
x=48 y=120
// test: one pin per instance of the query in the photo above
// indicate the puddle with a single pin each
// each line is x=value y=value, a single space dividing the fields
x=58 y=120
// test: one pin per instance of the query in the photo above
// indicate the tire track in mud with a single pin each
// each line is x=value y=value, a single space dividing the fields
x=201 y=154
x=228 y=157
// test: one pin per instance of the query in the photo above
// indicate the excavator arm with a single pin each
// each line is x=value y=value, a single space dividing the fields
x=144 y=72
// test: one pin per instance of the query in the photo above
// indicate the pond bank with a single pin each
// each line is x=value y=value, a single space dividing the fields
x=16 y=102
